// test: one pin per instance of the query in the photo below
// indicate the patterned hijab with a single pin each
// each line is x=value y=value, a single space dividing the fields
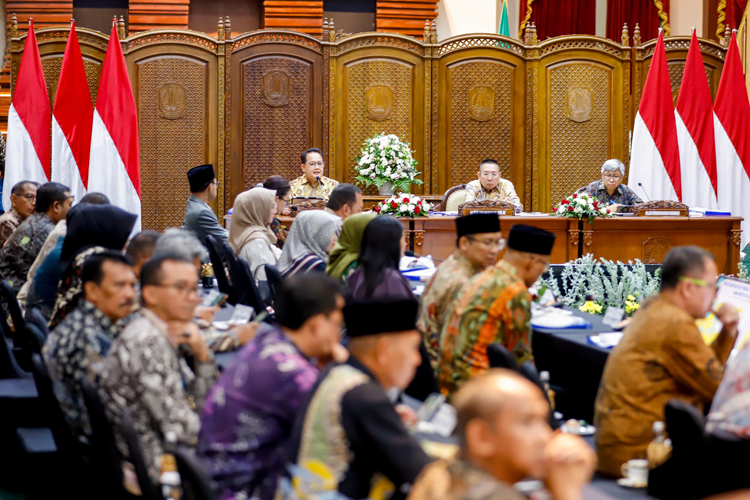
x=250 y=218
x=346 y=250
x=310 y=234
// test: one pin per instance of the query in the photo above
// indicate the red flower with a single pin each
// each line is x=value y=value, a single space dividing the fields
x=570 y=209
x=564 y=202
x=417 y=209
x=394 y=205
x=419 y=202
x=575 y=195
x=607 y=210
x=405 y=200
x=377 y=209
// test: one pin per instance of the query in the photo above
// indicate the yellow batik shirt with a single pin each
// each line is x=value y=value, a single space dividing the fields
x=301 y=188
x=504 y=189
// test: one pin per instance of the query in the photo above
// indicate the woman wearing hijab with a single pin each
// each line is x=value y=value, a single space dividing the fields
x=250 y=234
x=311 y=238
x=343 y=260
x=91 y=229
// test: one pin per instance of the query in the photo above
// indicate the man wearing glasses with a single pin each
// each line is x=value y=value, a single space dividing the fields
x=491 y=186
x=662 y=356
x=312 y=183
x=610 y=189
x=199 y=218
x=23 y=201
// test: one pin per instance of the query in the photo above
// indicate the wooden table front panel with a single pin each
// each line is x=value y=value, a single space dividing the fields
x=436 y=236
x=650 y=238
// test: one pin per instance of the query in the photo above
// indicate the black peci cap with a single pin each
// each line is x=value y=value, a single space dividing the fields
x=380 y=316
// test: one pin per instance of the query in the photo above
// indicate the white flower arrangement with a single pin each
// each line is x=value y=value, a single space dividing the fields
x=404 y=205
x=386 y=158
x=581 y=206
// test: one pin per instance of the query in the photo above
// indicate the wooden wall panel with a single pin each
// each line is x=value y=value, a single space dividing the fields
x=299 y=15
x=162 y=14
x=406 y=17
x=45 y=14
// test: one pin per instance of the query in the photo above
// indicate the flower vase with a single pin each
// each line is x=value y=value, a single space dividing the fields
x=386 y=189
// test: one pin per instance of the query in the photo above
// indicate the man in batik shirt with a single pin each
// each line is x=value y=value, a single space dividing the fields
x=53 y=201
x=610 y=189
x=76 y=348
x=248 y=416
x=490 y=186
x=312 y=183
x=23 y=200
x=478 y=244
x=146 y=371
x=495 y=306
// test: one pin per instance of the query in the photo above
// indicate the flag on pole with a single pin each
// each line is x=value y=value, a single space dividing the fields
x=72 y=117
x=504 y=24
x=695 y=133
x=732 y=130
x=655 y=161
x=115 y=163
x=27 y=150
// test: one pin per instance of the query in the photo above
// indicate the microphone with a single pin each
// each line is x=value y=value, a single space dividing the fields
x=317 y=178
x=644 y=191
x=409 y=253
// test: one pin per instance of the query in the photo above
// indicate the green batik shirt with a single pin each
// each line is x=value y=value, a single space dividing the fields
x=495 y=306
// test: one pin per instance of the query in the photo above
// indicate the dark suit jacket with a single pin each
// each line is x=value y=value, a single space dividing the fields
x=200 y=219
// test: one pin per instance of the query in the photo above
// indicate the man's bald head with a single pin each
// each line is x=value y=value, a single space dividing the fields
x=502 y=424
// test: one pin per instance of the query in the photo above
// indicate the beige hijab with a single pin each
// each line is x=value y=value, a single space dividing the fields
x=250 y=215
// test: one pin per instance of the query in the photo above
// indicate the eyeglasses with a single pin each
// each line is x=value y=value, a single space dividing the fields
x=316 y=164
x=489 y=243
x=71 y=198
x=612 y=177
x=217 y=183
x=699 y=282
x=183 y=289
x=28 y=196
x=285 y=200
x=490 y=174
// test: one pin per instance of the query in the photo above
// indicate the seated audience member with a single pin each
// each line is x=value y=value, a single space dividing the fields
x=283 y=198
x=378 y=275
x=250 y=234
x=199 y=217
x=505 y=438
x=312 y=183
x=76 y=348
x=91 y=229
x=344 y=258
x=141 y=248
x=312 y=237
x=249 y=413
x=350 y=434
x=494 y=306
x=662 y=356
x=730 y=409
x=477 y=247
x=610 y=189
x=490 y=186
x=51 y=243
x=22 y=199
x=183 y=243
x=345 y=200
x=145 y=372
x=53 y=201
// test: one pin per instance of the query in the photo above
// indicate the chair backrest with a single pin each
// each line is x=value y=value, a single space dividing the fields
x=499 y=357
x=106 y=462
x=685 y=423
x=64 y=440
x=36 y=317
x=196 y=484
x=528 y=370
x=148 y=488
x=242 y=280
x=8 y=298
x=9 y=367
x=453 y=198
x=214 y=254
x=274 y=279
x=36 y=337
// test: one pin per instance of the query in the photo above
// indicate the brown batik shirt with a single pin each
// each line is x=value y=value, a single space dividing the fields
x=661 y=356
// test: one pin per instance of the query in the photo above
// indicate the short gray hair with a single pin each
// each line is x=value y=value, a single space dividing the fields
x=614 y=164
x=180 y=242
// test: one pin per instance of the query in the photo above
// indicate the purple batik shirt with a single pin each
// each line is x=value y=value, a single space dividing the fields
x=248 y=417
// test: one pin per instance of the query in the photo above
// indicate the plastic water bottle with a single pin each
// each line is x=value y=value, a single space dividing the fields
x=544 y=377
x=660 y=448
x=169 y=477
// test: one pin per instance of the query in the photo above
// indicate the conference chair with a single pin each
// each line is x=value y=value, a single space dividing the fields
x=22 y=343
x=9 y=367
x=242 y=280
x=499 y=357
x=196 y=484
x=453 y=198
x=214 y=254
x=36 y=317
x=149 y=490
x=36 y=338
x=273 y=276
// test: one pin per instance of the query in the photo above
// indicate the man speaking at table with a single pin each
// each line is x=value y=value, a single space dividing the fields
x=495 y=306
x=312 y=183
x=490 y=186
x=478 y=244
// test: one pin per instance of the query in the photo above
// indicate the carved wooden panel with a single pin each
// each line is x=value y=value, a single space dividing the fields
x=276 y=114
x=579 y=104
x=480 y=96
x=172 y=120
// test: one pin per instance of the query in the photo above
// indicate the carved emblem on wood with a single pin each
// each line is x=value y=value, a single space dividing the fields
x=654 y=249
x=580 y=104
x=379 y=103
x=172 y=101
x=276 y=88
x=481 y=103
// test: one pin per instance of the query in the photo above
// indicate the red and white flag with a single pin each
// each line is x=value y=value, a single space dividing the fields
x=695 y=133
x=732 y=130
x=115 y=163
x=72 y=117
x=27 y=150
x=655 y=160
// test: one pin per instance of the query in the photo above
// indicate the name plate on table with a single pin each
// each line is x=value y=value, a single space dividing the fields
x=469 y=211
x=661 y=208
x=662 y=213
